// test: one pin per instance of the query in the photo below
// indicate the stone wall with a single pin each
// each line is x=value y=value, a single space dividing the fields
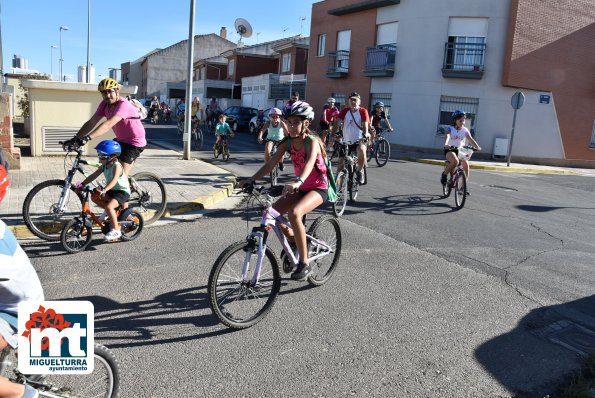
x=13 y=155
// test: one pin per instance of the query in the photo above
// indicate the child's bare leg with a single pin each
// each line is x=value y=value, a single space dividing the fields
x=111 y=211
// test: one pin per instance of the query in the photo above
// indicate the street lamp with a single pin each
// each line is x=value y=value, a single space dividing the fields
x=61 y=59
x=52 y=62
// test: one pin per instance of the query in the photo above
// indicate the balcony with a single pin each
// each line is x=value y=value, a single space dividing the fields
x=338 y=64
x=464 y=60
x=380 y=61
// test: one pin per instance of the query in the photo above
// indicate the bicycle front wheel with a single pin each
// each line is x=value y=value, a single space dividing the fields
x=197 y=140
x=104 y=381
x=41 y=211
x=148 y=196
x=237 y=302
x=76 y=236
x=325 y=229
x=274 y=174
x=353 y=185
x=341 y=202
x=382 y=153
x=460 y=190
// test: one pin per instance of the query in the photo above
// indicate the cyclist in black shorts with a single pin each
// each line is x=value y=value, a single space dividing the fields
x=121 y=117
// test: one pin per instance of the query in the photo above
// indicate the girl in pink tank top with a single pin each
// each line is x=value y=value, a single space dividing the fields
x=309 y=189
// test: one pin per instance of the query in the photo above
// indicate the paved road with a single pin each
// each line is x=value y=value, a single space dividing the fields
x=428 y=302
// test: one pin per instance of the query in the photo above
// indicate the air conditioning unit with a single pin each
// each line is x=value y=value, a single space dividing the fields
x=500 y=148
x=51 y=137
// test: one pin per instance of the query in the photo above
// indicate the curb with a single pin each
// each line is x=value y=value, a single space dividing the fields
x=496 y=168
x=203 y=202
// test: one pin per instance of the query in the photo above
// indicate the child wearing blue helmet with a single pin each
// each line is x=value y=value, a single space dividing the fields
x=117 y=191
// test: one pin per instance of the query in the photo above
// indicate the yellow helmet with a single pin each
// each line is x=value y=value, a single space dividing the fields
x=107 y=84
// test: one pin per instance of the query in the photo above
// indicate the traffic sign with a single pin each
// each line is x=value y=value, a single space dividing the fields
x=517 y=100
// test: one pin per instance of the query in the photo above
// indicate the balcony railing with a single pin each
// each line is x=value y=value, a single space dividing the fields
x=338 y=64
x=464 y=60
x=380 y=61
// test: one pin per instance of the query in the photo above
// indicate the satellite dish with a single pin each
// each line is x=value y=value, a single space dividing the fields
x=243 y=27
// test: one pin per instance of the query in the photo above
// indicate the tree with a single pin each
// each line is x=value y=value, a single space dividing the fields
x=23 y=102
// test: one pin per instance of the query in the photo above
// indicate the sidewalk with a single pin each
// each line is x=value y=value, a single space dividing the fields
x=192 y=185
x=492 y=165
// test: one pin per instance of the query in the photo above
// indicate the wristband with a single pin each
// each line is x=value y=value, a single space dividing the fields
x=300 y=180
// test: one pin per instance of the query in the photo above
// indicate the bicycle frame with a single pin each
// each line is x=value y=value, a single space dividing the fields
x=270 y=220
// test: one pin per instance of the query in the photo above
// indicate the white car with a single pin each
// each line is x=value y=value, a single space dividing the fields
x=252 y=125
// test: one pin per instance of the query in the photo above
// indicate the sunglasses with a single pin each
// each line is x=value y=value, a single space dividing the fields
x=101 y=157
x=274 y=116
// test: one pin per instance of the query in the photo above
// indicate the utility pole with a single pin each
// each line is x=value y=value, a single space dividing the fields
x=187 y=116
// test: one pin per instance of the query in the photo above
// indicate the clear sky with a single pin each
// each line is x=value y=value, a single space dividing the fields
x=124 y=30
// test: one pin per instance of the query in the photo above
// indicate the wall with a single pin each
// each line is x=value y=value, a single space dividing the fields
x=169 y=64
x=418 y=82
x=363 y=35
x=551 y=47
x=13 y=155
x=63 y=105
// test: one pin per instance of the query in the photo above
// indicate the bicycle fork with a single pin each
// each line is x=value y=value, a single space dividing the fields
x=65 y=192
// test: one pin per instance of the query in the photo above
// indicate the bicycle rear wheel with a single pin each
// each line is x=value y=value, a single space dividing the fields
x=382 y=152
x=103 y=382
x=40 y=209
x=341 y=202
x=132 y=224
x=148 y=196
x=76 y=236
x=460 y=190
x=225 y=152
x=327 y=230
x=235 y=301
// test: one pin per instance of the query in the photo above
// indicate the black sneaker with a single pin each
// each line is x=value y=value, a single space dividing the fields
x=443 y=179
x=281 y=166
x=302 y=272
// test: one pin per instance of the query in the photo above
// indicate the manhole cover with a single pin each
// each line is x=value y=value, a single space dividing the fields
x=500 y=187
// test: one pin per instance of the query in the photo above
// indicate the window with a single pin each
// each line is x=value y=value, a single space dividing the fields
x=385 y=98
x=465 y=53
x=340 y=99
x=466 y=43
x=321 y=45
x=449 y=104
x=231 y=67
x=593 y=137
x=286 y=62
x=202 y=73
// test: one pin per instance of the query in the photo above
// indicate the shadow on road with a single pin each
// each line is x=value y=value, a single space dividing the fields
x=543 y=209
x=542 y=350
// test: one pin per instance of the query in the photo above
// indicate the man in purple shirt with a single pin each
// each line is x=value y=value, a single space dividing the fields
x=121 y=117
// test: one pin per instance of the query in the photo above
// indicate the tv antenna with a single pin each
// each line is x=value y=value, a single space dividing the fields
x=302 y=19
x=243 y=28
x=284 y=30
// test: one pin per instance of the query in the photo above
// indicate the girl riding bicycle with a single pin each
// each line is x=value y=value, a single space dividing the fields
x=117 y=191
x=309 y=190
x=456 y=137
x=275 y=130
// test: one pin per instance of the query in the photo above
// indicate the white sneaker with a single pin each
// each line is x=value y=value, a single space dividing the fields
x=113 y=235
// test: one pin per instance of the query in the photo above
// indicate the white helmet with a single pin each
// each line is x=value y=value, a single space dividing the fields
x=331 y=100
x=275 y=111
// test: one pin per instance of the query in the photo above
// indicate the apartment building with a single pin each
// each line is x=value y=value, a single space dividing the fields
x=163 y=72
x=426 y=58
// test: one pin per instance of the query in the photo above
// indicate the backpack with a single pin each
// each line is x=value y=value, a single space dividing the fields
x=140 y=109
x=331 y=191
